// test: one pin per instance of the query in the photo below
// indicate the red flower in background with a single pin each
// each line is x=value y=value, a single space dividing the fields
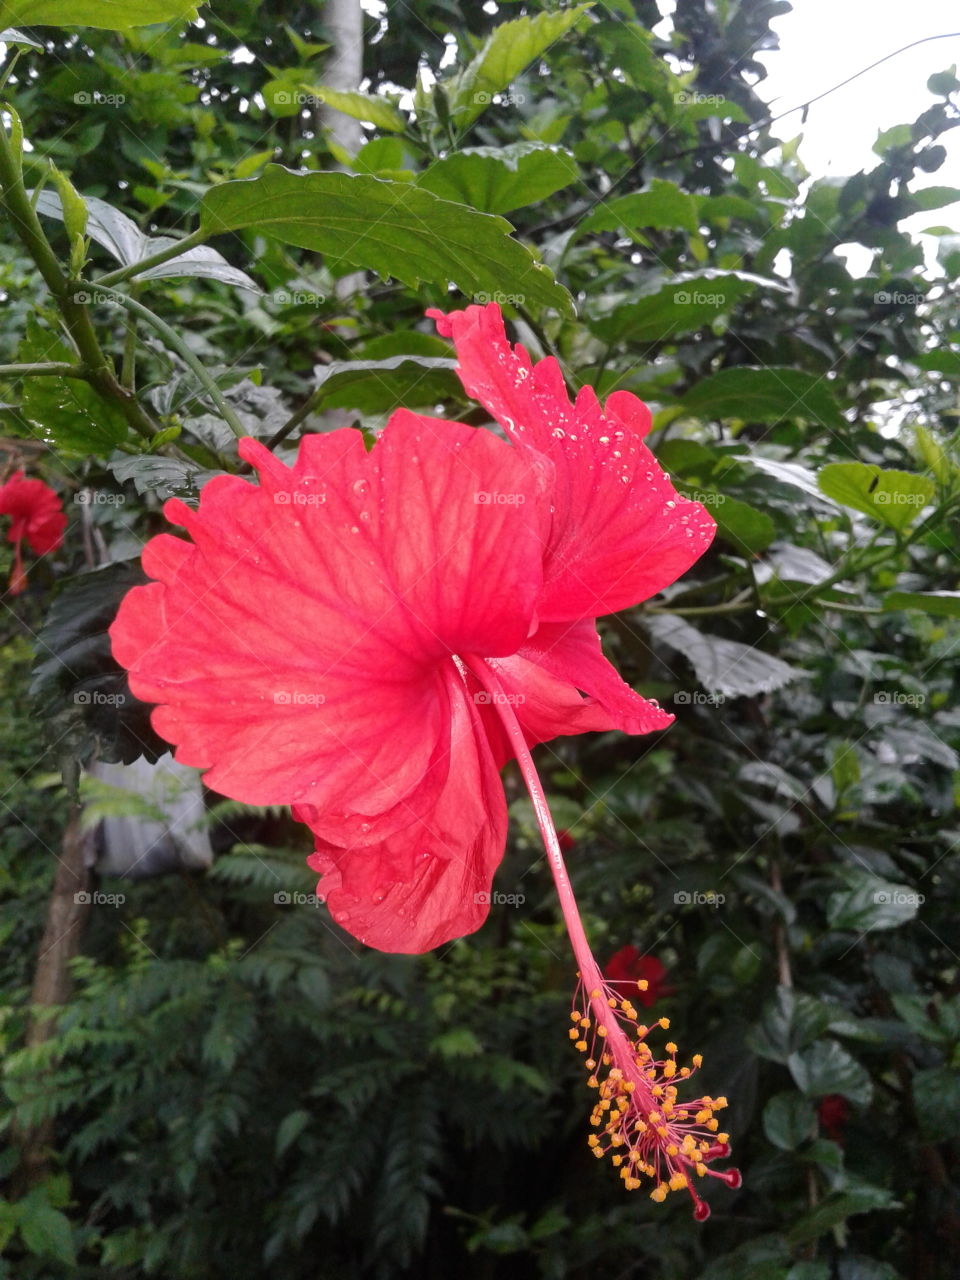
x=37 y=516
x=833 y=1112
x=642 y=973
x=370 y=636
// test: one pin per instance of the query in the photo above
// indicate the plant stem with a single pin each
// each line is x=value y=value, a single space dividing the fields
x=154 y=260
x=176 y=343
x=48 y=369
x=26 y=224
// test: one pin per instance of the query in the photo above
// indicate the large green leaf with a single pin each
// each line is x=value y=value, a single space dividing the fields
x=826 y=1067
x=835 y=1208
x=377 y=386
x=109 y=15
x=770 y=394
x=665 y=308
x=788 y=1120
x=498 y=179
x=508 y=49
x=722 y=666
x=869 y=902
x=895 y=497
x=393 y=228
x=664 y=205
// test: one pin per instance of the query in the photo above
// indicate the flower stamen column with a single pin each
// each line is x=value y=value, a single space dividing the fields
x=639 y=1118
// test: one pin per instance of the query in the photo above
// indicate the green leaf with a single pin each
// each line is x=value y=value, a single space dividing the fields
x=826 y=1067
x=661 y=310
x=722 y=666
x=942 y=604
x=46 y=1231
x=393 y=228
x=459 y=1042
x=770 y=394
x=509 y=48
x=108 y=15
x=498 y=179
x=663 y=206
x=377 y=386
x=361 y=106
x=934 y=197
x=870 y=902
x=895 y=497
x=290 y=1129
x=124 y=241
x=12 y=36
x=66 y=412
x=743 y=526
x=788 y=1022
x=835 y=1208
x=788 y=1120
x=936 y=1098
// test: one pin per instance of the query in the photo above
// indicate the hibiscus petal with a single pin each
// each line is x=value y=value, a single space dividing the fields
x=560 y=683
x=621 y=532
x=429 y=883
x=294 y=644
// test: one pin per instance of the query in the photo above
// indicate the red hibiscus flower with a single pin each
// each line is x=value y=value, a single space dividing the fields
x=370 y=636
x=643 y=973
x=833 y=1112
x=37 y=516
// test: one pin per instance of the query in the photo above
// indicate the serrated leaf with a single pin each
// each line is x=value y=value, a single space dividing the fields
x=790 y=1021
x=199 y=261
x=895 y=497
x=509 y=48
x=942 y=604
x=826 y=1067
x=393 y=228
x=723 y=666
x=498 y=179
x=770 y=394
x=107 y=15
x=788 y=1120
x=361 y=106
x=835 y=1208
x=47 y=1232
x=663 y=206
x=664 y=309
x=791 y=473
x=159 y=475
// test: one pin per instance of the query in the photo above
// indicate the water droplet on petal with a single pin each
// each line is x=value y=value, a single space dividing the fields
x=362 y=486
x=558 y=433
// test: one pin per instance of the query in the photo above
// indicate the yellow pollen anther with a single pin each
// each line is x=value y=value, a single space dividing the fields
x=673 y=1149
x=665 y=1023
x=581 y=1045
x=697 y=1059
x=670 y=1047
x=601 y=1031
x=723 y=1137
x=574 y=1033
x=703 y=1116
x=713 y=1125
x=659 y=1193
x=669 y=1069
x=678 y=1181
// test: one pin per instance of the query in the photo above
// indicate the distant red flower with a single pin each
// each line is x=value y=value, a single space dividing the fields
x=628 y=966
x=565 y=840
x=37 y=516
x=370 y=636
x=833 y=1112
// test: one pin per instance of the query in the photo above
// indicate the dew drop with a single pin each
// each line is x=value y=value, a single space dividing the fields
x=362 y=486
x=604 y=439
x=354 y=528
x=364 y=515
x=558 y=433
x=670 y=503
x=522 y=375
